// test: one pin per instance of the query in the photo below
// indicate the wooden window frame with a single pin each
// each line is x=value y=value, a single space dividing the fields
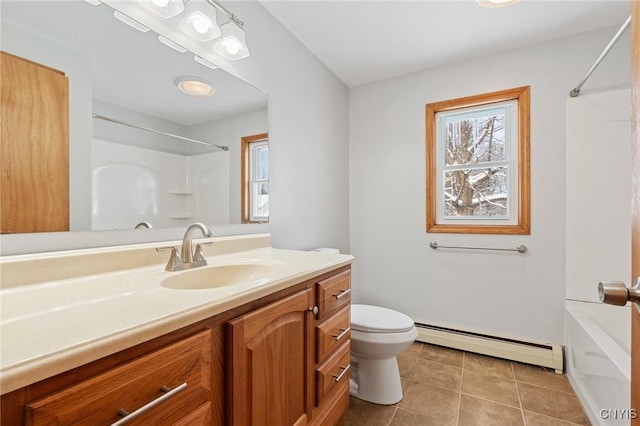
x=245 y=204
x=523 y=223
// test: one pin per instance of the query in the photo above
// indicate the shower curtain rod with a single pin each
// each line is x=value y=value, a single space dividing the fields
x=576 y=91
x=124 y=123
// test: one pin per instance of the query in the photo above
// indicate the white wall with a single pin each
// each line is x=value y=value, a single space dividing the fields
x=598 y=192
x=504 y=293
x=308 y=133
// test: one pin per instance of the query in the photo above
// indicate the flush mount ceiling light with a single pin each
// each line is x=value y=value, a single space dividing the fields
x=195 y=86
x=200 y=21
x=231 y=44
x=164 y=8
x=496 y=3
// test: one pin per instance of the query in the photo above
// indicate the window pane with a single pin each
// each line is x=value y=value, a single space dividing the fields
x=478 y=139
x=476 y=193
x=262 y=162
x=260 y=203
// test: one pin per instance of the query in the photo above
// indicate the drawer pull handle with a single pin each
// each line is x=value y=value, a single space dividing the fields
x=127 y=417
x=341 y=335
x=342 y=293
x=344 y=371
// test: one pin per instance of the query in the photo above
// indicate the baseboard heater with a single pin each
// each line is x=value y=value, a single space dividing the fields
x=529 y=352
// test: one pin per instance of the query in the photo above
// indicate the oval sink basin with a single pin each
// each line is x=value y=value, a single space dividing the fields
x=215 y=276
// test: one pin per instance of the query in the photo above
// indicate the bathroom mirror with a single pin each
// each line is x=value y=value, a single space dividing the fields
x=120 y=175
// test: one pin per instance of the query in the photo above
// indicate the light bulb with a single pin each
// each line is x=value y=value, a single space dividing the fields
x=160 y=3
x=200 y=23
x=232 y=45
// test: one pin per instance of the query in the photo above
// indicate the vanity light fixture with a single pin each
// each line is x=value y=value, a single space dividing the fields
x=130 y=21
x=204 y=62
x=195 y=86
x=187 y=24
x=200 y=21
x=172 y=44
x=495 y=3
x=231 y=44
x=164 y=8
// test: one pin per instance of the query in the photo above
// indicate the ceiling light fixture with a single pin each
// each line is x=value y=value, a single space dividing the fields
x=496 y=3
x=195 y=86
x=204 y=62
x=130 y=21
x=164 y=8
x=172 y=44
x=200 y=22
x=231 y=44
x=188 y=24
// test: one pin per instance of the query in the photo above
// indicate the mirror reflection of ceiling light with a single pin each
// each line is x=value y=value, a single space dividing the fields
x=231 y=44
x=164 y=8
x=195 y=86
x=496 y=3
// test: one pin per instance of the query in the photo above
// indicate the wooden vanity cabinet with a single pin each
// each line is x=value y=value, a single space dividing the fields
x=269 y=362
x=288 y=362
x=272 y=361
x=168 y=386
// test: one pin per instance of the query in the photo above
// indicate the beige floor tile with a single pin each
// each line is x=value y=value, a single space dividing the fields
x=405 y=364
x=534 y=419
x=436 y=374
x=489 y=366
x=495 y=389
x=434 y=404
x=442 y=355
x=409 y=418
x=413 y=350
x=542 y=377
x=478 y=412
x=552 y=403
x=362 y=413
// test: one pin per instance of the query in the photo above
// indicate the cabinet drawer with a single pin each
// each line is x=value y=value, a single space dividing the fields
x=333 y=293
x=333 y=332
x=334 y=373
x=128 y=387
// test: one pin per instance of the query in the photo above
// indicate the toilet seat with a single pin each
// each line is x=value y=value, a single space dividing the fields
x=376 y=319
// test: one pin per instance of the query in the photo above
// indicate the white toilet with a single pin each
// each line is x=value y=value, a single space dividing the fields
x=378 y=335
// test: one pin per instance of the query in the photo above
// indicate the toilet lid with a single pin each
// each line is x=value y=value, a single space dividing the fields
x=376 y=319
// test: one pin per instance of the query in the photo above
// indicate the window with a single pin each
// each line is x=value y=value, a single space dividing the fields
x=478 y=164
x=255 y=178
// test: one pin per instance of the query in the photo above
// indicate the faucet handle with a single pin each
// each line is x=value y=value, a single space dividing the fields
x=198 y=256
x=174 y=263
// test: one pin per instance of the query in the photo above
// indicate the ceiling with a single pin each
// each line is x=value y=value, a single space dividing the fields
x=366 y=41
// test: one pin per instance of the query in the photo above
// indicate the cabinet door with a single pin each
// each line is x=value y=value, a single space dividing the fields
x=270 y=363
x=35 y=147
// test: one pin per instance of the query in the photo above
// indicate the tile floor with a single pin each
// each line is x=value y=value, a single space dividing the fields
x=445 y=386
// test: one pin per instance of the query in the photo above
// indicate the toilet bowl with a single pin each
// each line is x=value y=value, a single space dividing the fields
x=378 y=335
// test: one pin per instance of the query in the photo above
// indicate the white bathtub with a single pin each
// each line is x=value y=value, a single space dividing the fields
x=598 y=342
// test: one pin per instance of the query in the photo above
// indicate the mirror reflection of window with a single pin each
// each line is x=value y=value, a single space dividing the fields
x=255 y=178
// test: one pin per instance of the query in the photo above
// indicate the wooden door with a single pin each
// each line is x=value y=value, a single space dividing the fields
x=270 y=364
x=35 y=147
x=635 y=203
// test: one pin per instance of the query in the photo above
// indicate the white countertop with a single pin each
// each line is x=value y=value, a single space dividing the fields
x=53 y=326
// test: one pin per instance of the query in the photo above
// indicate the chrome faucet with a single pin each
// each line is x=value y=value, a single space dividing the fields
x=189 y=257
